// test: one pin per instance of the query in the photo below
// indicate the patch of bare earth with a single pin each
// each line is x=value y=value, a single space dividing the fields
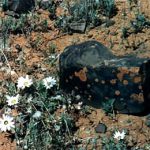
x=6 y=143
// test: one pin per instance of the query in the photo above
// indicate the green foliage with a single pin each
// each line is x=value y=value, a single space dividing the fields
x=110 y=144
x=136 y=26
x=24 y=24
x=46 y=132
x=147 y=146
x=107 y=7
x=10 y=24
x=38 y=126
x=108 y=106
x=88 y=11
x=139 y=23
x=11 y=88
x=125 y=32
x=52 y=48
x=90 y=143
x=4 y=4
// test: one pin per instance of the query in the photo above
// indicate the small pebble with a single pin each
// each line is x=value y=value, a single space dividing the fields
x=18 y=47
x=101 y=128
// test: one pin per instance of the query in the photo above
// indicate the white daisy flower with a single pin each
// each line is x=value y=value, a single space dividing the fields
x=57 y=97
x=25 y=147
x=12 y=100
x=119 y=135
x=79 y=105
x=37 y=114
x=29 y=110
x=78 y=97
x=29 y=99
x=64 y=107
x=6 y=123
x=52 y=57
x=24 y=82
x=49 y=82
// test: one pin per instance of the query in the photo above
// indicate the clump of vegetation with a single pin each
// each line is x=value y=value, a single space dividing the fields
x=85 y=11
x=136 y=26
x=147 y=146
x=10 y=24
x=110 y=143
x=4 y=4
x=107 y=7
x=77 y=16
x=139 y=23
x=37 y=124
x=108 y=106
x=24 y=24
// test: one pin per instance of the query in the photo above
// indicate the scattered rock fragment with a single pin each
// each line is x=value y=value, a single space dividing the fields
x=18 y=47
x=78 y=26
x=101 y=128
x=45 y=4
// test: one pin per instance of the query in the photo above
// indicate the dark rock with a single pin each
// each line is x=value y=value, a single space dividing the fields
x=46 y=4
x=90 y=36
x=107 y=23
x=2 y=59
x=93 y=71
x=20 y=6
x=18 y=47
x=78 y=26
x=145 y=71
x=101 y=128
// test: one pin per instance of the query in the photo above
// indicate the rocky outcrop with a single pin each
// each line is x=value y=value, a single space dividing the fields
x=20 y=6
x=90 y=69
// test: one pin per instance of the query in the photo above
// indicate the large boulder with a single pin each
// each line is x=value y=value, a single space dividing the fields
x=20 y=6
x=90 y=69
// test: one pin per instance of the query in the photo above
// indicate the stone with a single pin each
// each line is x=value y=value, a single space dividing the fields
x=107 y=23
x=101 y=128
x=18 y=47
x=78 y=26
x=91 y=70
x=20 y=6
x=145 y=71
x=45 y=4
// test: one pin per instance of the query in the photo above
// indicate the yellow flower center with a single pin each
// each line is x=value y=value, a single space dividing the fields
x=26 y=83
x=14 y=101
x=5 y=122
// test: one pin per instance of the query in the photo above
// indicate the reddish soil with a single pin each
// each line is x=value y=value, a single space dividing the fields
x=5 y=142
